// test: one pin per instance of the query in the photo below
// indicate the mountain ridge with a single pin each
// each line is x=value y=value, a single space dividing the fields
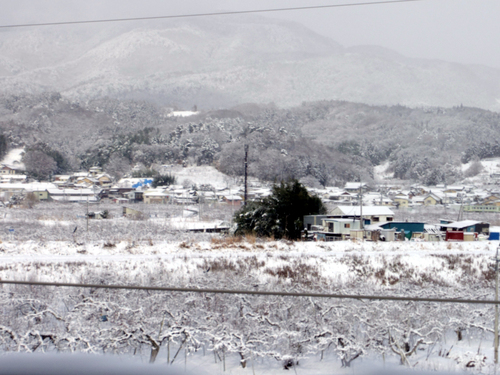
x=217 y=65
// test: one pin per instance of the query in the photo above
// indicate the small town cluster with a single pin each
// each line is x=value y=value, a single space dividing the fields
x=377 y=223
x=355 y=211
x=372 y=217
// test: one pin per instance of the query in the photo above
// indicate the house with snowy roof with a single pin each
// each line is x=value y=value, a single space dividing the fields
x=337 y=229
x=466 y=226
x=104 y=179
x=156 y=196
x=74 y=195
x=432 y=199
x=39 y=189
x=13 y=178
x=6 y=169
x=233 y=200
x=491 y=198
x=340 y=196
x=370 y=214
x=401 y=200
x=354 y=187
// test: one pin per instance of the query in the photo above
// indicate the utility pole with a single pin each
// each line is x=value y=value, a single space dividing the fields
x=496 y=307
x=87 y=213
x=246 y=176
x=361 y=204
x=199 y=205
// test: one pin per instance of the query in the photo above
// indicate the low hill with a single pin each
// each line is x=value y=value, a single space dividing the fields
x=328 y=141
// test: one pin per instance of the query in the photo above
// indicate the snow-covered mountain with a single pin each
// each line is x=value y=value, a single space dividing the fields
x=219 y=62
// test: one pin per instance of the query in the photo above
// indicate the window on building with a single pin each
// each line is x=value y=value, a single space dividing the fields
x=347 y=225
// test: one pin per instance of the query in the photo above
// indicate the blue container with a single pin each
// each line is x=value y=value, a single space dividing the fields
x=494 y=236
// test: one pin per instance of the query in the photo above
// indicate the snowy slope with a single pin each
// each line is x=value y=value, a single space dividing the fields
x=14 y=158
x=200 y=175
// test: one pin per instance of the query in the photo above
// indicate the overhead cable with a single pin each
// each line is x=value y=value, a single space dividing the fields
x=207 y=14
x=255 y=292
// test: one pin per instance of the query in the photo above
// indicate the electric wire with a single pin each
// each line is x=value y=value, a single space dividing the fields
x=256 y=292
x=343 y=5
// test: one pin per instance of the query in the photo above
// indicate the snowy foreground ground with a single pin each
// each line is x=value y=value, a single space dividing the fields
x=208 y=333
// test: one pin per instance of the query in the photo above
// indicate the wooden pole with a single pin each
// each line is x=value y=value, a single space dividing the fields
x=87 y=213
x=361 y=206
x=246 y=176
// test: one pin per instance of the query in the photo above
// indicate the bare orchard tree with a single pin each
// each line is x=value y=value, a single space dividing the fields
x=167 y=325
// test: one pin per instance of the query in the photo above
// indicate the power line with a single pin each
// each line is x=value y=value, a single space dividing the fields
x=255 y=292
x=208 y=14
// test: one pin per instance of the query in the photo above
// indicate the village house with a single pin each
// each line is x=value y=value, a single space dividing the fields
x=210 y=196
x=233 y=200
x=482 y=207
x=156 y=196
x=454 y=189
x=355 y=187
x=95 y=171
x=39 y=189
x=418 y=200
x=13 y=178
x=371 y=214
x=401 y=201
x=74 y=195
x=62 y=180
x=341 y=197
x=85 y=181
x=313 y=221
x=376 y=199
x=119 y=192
x=337 y=229
x=419 y=190
x=432 y=199
x=135 y=196
x=104 y=180
x=491 y=199
x=470 y=226
x=6 y=169
x=409 y=229
x=451 y=198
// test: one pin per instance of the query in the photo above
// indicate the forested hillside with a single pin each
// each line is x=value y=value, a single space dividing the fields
x=329 y=142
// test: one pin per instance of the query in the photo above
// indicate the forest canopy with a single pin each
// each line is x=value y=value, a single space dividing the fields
x=327 y=142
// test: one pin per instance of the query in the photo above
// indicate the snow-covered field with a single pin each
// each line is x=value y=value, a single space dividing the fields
x=50 y=242
x=263 y=333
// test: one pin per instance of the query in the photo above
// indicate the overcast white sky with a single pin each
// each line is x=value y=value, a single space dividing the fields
x=465 y=31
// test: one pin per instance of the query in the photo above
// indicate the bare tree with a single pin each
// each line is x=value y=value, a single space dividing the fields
x=39 y=165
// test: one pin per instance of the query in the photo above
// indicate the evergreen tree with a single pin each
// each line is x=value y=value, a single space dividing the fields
x=3 y=145
x=281 y=214
x=164 y=180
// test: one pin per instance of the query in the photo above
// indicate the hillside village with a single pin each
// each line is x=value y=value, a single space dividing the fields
x=356 y=210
